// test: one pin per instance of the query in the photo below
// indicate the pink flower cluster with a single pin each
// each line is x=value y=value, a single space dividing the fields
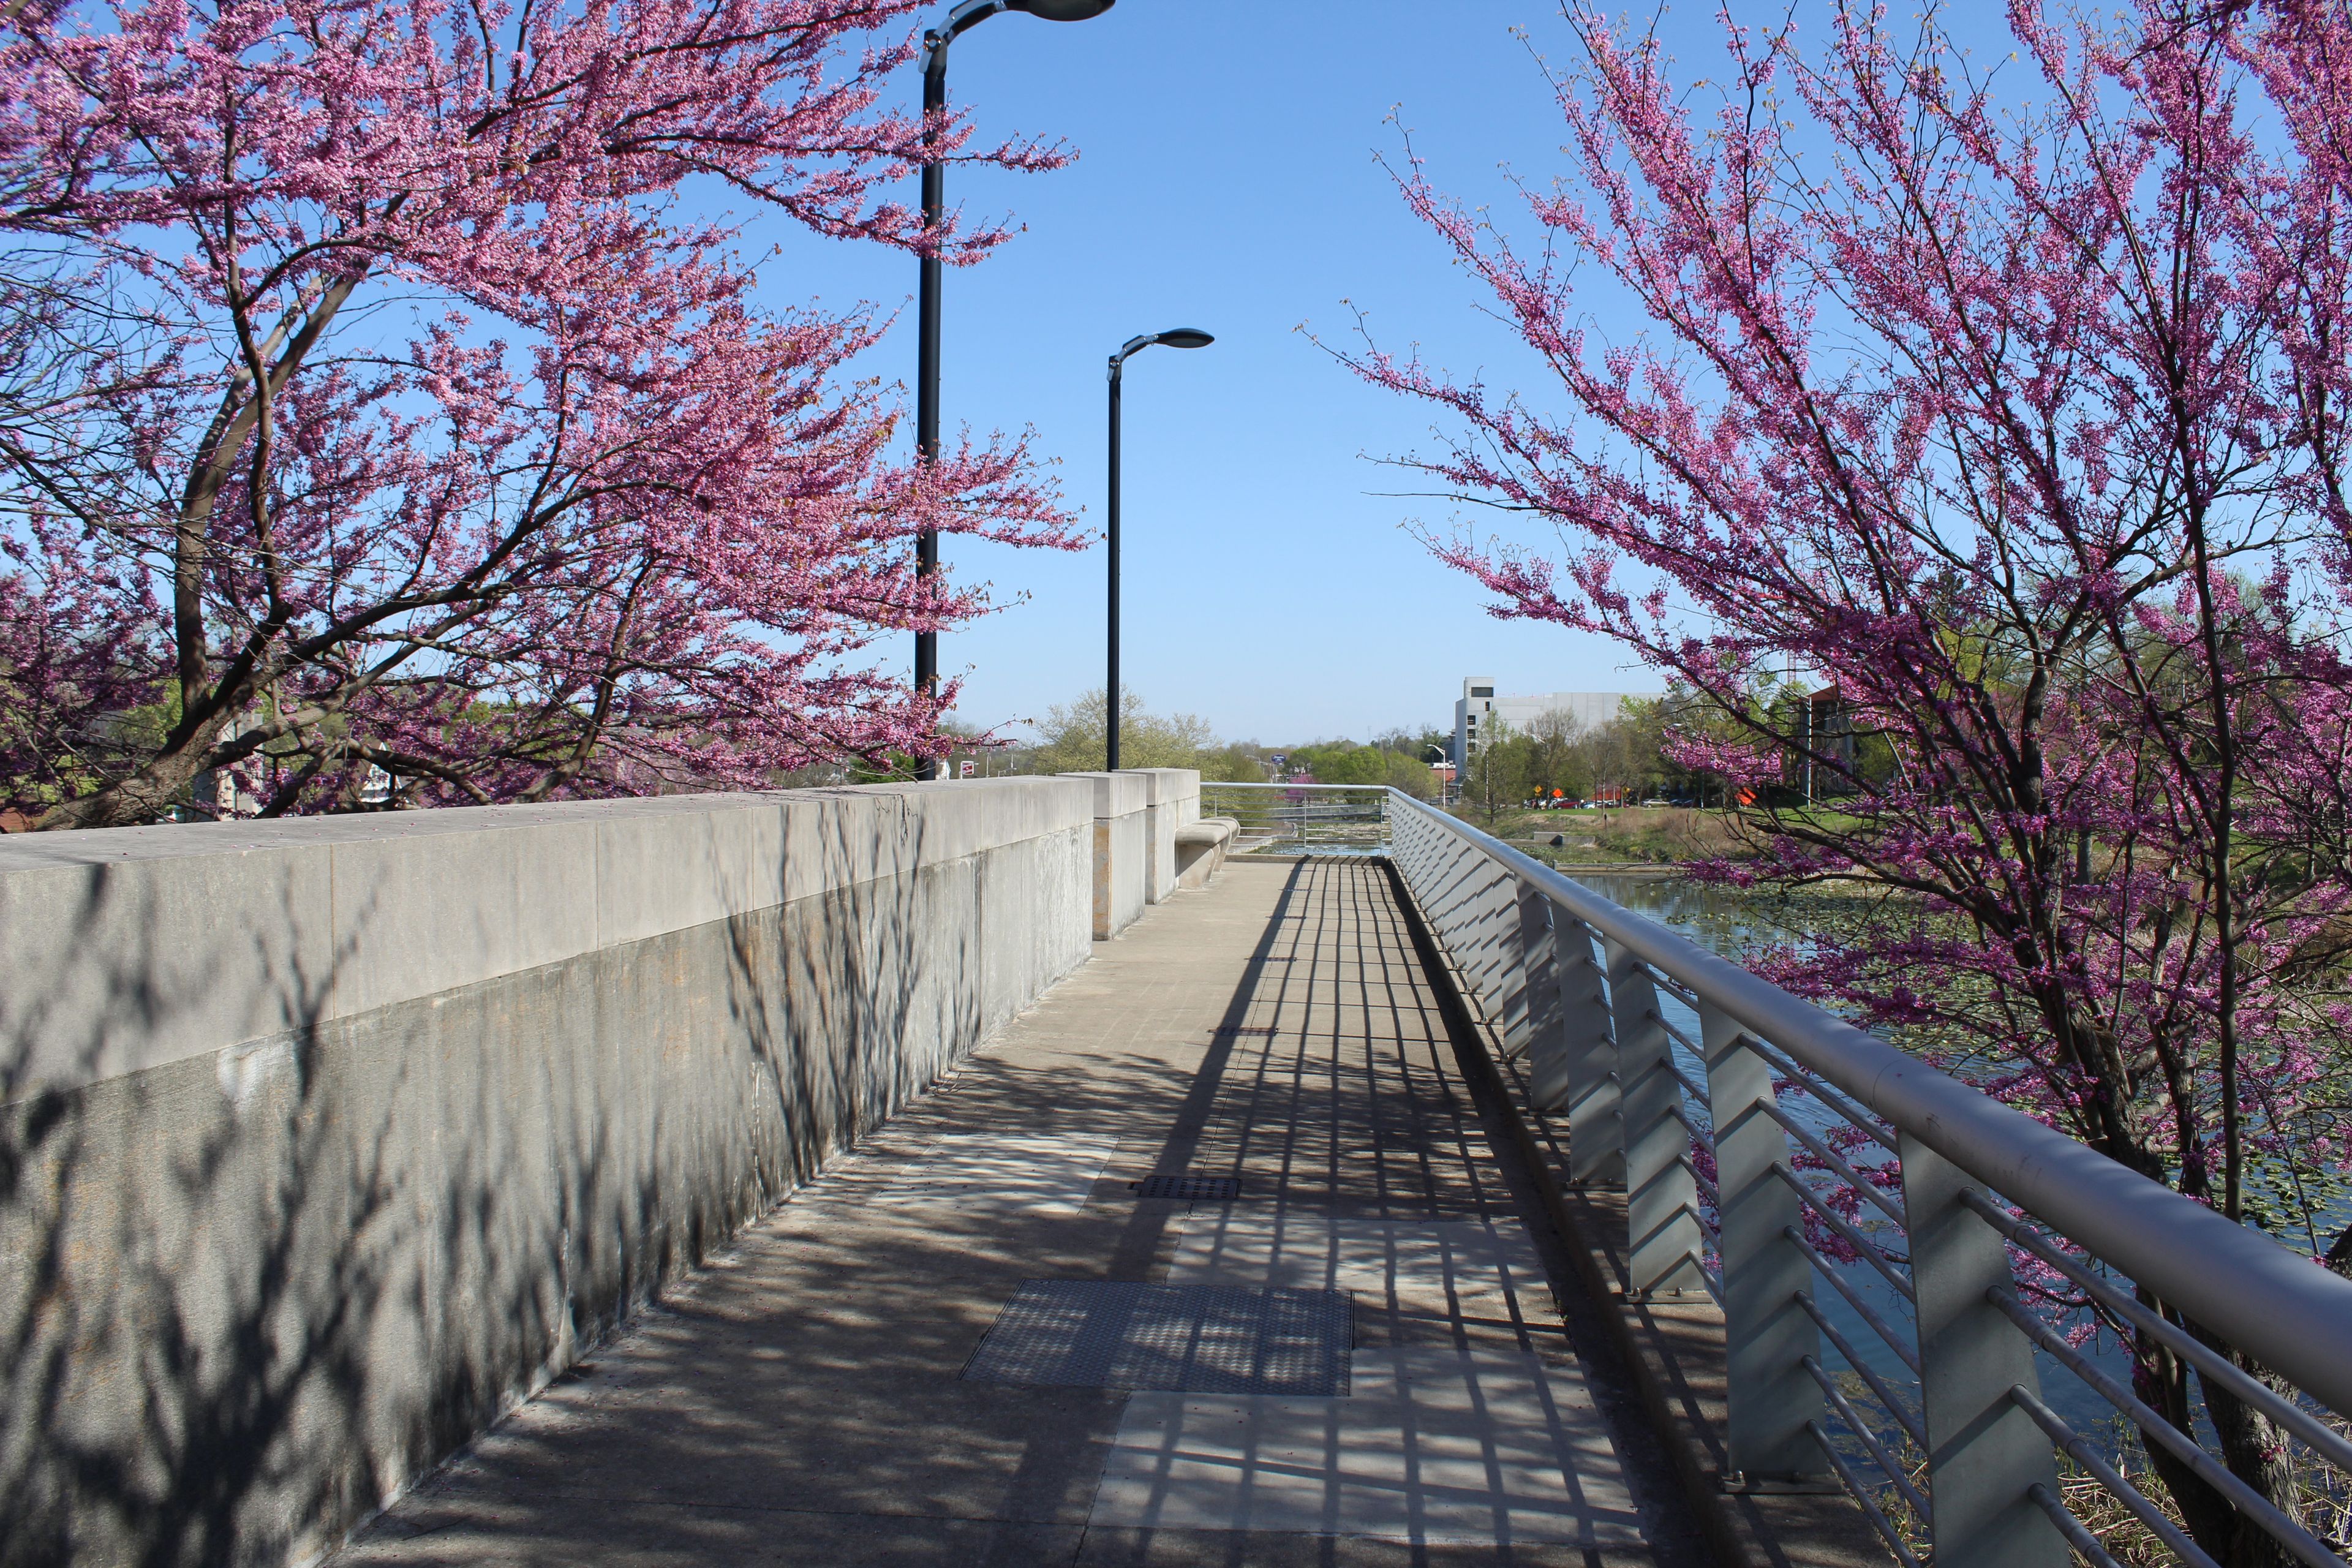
x=1977 y=482
x=381 y=407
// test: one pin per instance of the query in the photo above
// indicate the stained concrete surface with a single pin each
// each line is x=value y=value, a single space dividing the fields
x=801 y=1402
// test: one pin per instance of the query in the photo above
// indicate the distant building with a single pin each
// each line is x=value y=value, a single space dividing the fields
x=1825 y=731
x=1480 y=711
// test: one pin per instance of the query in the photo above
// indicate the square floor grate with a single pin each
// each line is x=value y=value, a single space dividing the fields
x=1184 y=1338
x=1214 y=1188
x=1243 y=1030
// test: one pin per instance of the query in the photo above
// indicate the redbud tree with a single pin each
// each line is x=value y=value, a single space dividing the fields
x=1973 y=464
x=378 y=397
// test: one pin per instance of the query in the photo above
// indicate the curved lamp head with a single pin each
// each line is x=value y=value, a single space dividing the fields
x=1174 y=337
x=971 y=13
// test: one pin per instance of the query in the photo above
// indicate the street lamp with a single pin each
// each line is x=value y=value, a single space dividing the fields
x=1175 y=338
x=960 y=20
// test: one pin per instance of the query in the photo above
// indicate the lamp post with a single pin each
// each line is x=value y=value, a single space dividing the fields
x=962 y=19
x=1175 y=338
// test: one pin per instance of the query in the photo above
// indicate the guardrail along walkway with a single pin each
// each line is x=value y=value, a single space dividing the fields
x=1206 y=1259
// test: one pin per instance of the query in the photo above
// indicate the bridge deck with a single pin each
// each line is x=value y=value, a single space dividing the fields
x=870 y=1376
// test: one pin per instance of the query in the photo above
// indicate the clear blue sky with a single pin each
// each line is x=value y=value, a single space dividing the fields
x=1227 y=180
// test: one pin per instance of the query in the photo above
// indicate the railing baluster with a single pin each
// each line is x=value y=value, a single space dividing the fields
x=1535 y=1015
x=1766 y=1335
x=1455 y=874
x=1582 y=1076
x=1504 y=981
x=1984 y=1454
x=1450 y=882
x=1661 y=1200
x=1599 y=1051
x=1495 y=937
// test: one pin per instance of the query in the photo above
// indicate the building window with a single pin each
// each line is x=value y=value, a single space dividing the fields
x=1482 y=692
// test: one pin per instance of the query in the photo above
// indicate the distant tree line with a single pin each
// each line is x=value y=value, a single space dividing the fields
x=1631 y=757
x=1071 y=739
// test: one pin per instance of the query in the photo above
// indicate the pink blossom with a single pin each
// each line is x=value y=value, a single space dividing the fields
x=394 y=408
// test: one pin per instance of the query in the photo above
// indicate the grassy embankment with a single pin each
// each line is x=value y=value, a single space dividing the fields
x=1613 y=835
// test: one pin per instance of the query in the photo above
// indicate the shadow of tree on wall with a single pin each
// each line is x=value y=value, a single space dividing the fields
x=851 y=1002
x=250 y=1296
x=190 y=1262
x=251 y=1292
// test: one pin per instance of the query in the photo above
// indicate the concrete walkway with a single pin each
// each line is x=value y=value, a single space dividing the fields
x=907 y=1363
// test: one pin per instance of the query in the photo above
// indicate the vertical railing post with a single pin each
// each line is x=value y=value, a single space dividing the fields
x=1437 y=857
x=1532 y=1016
x=1485 y=955
x=1516 y=948
x=1983 y=1452
x=1443 y=881
x=1663 y=1239
x=1427 y=855
x=1767 y=1334
x=1583 y=1078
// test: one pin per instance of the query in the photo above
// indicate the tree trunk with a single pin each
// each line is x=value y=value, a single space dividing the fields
x=146 y=794
x=2161 y=1379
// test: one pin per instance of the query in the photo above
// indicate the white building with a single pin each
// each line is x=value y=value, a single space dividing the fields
x=1479 y=711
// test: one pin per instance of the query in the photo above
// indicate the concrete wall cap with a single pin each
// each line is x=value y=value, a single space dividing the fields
x=1165 y=785
x=1116 y=794
x=169 y=841
x=135 y=946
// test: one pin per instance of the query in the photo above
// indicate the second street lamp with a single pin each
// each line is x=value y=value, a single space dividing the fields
x=1175 y=338
x=960 y=20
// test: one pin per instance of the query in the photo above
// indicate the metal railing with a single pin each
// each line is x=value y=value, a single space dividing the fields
x=1304 y=818
x=1791 y=1127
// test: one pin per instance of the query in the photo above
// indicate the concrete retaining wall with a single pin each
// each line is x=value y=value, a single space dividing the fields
x=326 y=1142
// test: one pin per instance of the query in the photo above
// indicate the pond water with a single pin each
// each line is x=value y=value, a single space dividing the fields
x=1732 y=923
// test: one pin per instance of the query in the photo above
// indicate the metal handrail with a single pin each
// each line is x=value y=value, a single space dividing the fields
x=1303 y=817
x=1522 y=936
x=2291 y=1315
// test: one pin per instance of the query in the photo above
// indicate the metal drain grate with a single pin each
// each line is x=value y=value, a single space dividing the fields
x=1243 y=1030
x=1217 y=1187
x=1184 y=1338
